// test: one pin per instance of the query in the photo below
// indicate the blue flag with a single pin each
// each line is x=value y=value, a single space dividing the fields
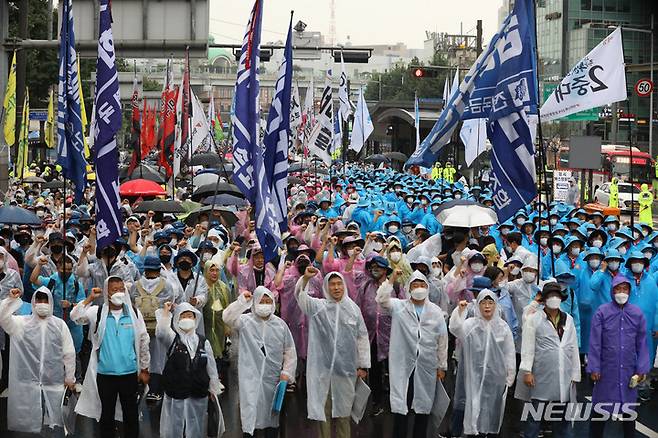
x=107 y=123
x=249 y=170
x=70 y=144
x=277 y=136
x=474 y=98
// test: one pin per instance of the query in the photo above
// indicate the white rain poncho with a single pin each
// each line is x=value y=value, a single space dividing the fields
x=89 y=403
x=266 y=350
x=42 y=359
x=522 y=294
x=337 y=346
x=11 y=280
x=187 y=417
x=418 y=346
x=487 y=367
x=195 y=288
x=554 y=362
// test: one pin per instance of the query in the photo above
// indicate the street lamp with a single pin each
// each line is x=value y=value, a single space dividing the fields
x=650 y=32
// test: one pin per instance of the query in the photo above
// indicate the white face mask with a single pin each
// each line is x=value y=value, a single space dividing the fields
x=393 y=229
x=529 y=277
x=117 y=298
x=377 y=246
x=655 y=244
x=515 y=270
x=557 y=249
x=520 y=221
x=597 y=243
x=543 y=241
x=637 y=268
x=553 y=302
x=621 y=298
x=419 y=294
x=594 y=263
x=206 y=256
x=553 y=221
x=477 y=267
x=458 y=196
x=395 y=256
x=613 y=266
x=575 y=251
x=2 y=263
x=173 y=242
x=436 y=272
x=350 y=252
x=612 y=227
x=42 y=309
x=264 y=310
x=647 y=255
x=186 y=324
x=504 y=231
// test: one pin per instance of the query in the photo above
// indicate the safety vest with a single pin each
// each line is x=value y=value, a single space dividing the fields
x=646 y=201
x=613 y=201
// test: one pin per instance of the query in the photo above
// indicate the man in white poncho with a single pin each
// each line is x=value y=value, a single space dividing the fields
x=266 y=356
x=189 y=375
x=338 y=352
x=41 y=363
x=488 y=363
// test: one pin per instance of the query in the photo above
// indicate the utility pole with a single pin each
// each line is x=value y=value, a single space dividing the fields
x=21 y=63
x=478 y=37
x=4 y=72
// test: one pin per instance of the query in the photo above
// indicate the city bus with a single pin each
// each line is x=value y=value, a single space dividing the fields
x=615 y=161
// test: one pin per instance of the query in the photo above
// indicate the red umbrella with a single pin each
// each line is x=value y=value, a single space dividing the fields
x=141 y=187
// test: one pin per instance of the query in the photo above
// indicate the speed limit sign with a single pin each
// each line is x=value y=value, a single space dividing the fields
x=644 y=87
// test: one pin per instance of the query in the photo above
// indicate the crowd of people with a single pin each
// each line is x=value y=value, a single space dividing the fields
x=369 y=286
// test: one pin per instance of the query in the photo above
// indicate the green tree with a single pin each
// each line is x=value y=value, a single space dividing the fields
x=398 y=84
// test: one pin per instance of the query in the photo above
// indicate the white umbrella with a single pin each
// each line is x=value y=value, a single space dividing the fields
x=205 y=178
x=467 y=216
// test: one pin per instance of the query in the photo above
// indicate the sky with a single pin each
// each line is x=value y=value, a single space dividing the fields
x=364 y=21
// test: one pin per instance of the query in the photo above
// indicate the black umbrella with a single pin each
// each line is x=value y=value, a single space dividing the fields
x=295 y=180
x=396 y=156
x=33 y=179
x=52 y=185
x=209 y=190
x=377 y=158
x=225 y=199
x=207 y=160
x=18 y=216
x=142 y=171
x=159 y=206
x=229 y=216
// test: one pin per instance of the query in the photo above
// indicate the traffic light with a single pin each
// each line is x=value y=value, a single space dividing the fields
x=423 y=72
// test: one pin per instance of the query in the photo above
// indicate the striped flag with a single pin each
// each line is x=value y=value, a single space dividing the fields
x=343 y=94
x=107 y=119
x=135 y=128
x=9 y=105
x=70 y=144
x=321 y=137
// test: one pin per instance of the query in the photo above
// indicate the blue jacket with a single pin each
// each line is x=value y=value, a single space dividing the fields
x=645 y=296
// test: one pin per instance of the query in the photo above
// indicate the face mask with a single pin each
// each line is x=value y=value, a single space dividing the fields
x=637 y=268
x=612 y=227
x=613 y=266
x=263 y=310
x=436 y=272
x=419 y=294
x=622 y=250
x=173 y=242
x=636 y=235
x=350 y=252
x=57 y=249
x=647 y=255
x=553 y=302
x=621 y=298
x=477 y=267
x=42 y=309
x=504 y=231
x=574 y=251
x=393 y=229
x=376 y=274
x=597 y=243
x=484 y=231
x=520 y=221
x=509 y=249
x=594 y=263
x=407 y=230
x=117 y=298
x=186 y=324
x=515 y=270
x=553 y=221
x=529 y=277
x=425 y=201
x=645 y=233
x=655 y=244
x=165 y=258
x=377 y=246
x=185 y=266
x=543 y=241
x=2 y=264
x=206 y=256
x=458 y=196
x=395 y=256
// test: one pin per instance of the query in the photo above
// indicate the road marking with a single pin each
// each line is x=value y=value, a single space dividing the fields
x=644 y=430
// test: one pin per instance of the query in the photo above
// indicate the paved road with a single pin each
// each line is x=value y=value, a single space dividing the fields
x=295 y=424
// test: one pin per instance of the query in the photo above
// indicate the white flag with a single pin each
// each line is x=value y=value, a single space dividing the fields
x=200 y=135
x=308 y=113
x=455 y=83
x=598 y=79
x=295 y=109
x=343 y=94
x=321 y=138
x=417 y=120
x=474 y=135
x=362 y=124
x=446 y=93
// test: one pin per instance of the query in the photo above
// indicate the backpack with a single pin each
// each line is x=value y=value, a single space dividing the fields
x=148 y=303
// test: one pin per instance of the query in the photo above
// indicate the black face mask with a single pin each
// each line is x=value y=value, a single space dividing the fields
x=302 y=265
x=184 y=266
x=23 y=240
x=57 y=249
x=165 y=258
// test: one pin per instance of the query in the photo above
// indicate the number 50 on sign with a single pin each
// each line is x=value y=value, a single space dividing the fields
x=643 y=87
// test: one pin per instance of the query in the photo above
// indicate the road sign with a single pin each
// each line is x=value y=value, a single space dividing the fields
x=591 y=114
x=644 y=87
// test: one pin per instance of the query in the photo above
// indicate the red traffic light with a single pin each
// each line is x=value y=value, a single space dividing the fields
x=419 y=72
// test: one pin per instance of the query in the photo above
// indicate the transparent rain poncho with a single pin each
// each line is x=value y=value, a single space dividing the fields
x=42 y=358
x=337 y=346
x=486 y=368
x=266 y=350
